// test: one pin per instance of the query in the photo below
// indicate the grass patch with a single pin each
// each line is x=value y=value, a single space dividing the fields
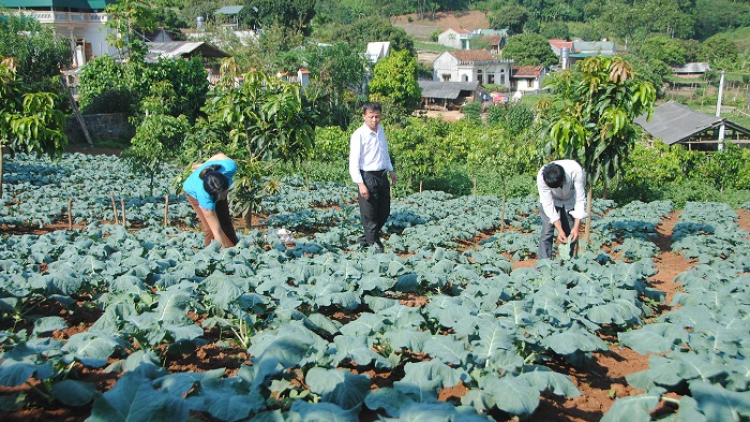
x=431 y=47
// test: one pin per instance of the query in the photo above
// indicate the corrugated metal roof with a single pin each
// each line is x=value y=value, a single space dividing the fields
x=181 y=49
x=674 y=122
x=62 y=4
x=446 y=90
x=229 y=10
x=696 y=67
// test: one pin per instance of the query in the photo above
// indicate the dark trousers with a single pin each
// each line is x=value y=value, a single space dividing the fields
x=547 y=236
x=374 y=211
x=225 y=220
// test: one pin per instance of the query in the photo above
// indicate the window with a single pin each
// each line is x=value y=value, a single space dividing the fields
x=446 y=77
x=480 y=76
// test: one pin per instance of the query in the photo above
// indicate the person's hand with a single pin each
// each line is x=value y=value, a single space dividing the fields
x=561 y=237
x=195 y=166
x=393 y=178
x=574 y=232
x=364 y=192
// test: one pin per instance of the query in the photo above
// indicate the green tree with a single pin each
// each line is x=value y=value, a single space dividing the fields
x=394 y=83
x=294 y=15
x=38 y=52
x=262 y=120
x=719 y=50
x=555 y=30
x=126 y=18
x=591 y=116
x=665 y=49
x=529 y=50
x=338 y=76
x=511 y=17
x=372 y=28
x=30 y=122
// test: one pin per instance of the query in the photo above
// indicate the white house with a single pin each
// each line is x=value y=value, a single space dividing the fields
x=472 y=65
x=527 y=78
x=456 y=38
x=81 y=21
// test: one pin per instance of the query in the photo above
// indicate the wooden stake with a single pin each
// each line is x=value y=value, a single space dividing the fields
x=114 y=206
x=420 y=186
x=70 y=214
x=122 y=203
x=166 y=210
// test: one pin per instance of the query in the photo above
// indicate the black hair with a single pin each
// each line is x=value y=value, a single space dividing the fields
x=553 y=175
x=214 y=181
x=371 y=106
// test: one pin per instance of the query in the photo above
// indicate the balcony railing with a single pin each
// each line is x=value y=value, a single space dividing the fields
x=67 y=17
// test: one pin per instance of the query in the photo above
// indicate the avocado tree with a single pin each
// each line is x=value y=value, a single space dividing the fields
x=260 y=120
x=591 y=116
x=394 y=83
x=30 y=122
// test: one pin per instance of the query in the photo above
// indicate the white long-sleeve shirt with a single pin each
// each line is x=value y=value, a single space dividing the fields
x=368 y=151
x=571 y=194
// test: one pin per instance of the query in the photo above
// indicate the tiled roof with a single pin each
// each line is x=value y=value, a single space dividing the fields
x=473 y=56
x=526 y=71
x=459 y=30
x=559 y=44
x=493 y=39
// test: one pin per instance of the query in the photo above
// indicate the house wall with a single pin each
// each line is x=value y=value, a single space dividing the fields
x=85 y=27
x=446 y=68
x=450 y=38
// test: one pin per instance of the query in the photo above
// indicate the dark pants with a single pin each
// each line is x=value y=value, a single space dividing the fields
x=225 y=220
x=547 y=236
x=374 y=211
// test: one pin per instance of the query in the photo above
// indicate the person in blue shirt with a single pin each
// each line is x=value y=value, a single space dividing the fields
x=206 y=190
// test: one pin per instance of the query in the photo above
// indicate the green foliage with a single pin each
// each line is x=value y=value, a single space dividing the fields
x=367 y=29
x=555 y=30
x=331 y=144
x=262 y=120
x=294 y=15
x=110 y=87
x=125 y=18
x=38 y=52
x=665 y=49
x=158 y=140
x=591 y=117
x=512 y=17
x=395 y=78
x=514 y=117
x=529 y=49
x=719 y=51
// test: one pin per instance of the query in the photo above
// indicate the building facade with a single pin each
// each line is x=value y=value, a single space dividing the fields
x=472 y=66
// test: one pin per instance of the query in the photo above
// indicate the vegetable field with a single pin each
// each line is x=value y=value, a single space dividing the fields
x=456 y=321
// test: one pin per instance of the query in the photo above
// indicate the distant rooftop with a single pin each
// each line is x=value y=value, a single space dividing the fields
x=58 y=4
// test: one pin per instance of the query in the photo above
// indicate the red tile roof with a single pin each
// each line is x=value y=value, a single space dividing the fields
x=559 y=44
x=526 y=71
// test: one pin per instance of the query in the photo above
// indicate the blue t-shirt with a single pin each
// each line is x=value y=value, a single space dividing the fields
x=193 y=186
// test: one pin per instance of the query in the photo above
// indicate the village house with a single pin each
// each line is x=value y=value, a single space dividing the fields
x=456 y=38
x=527 y=78
x=472 y=66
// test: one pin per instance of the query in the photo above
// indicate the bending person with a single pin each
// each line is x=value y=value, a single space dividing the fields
x=562 y=204
x=206 y=189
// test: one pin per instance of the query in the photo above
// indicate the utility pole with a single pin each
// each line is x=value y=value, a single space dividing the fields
x=718 y=112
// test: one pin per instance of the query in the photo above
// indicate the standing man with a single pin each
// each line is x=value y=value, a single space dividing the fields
x=562 y=204
x=369 y=167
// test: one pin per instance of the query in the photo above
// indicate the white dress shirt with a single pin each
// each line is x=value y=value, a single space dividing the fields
x=570 y=195
x=368 y=151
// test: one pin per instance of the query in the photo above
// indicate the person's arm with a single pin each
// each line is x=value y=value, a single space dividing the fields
x=215 y=157
x=215 y=226
x=355 y=149
x=579 y=210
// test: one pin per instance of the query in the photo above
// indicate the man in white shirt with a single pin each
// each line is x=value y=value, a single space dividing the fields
x=561 y=193
x=369 y=167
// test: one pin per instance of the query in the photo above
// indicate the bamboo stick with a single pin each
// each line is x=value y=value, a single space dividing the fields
x=124 y=220
x=114 y=206
x=166 y=210
x=70 y=214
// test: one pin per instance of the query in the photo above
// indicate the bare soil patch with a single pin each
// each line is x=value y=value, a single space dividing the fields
x=421 y=29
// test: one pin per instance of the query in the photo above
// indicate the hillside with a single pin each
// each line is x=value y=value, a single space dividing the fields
x=421 y=29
